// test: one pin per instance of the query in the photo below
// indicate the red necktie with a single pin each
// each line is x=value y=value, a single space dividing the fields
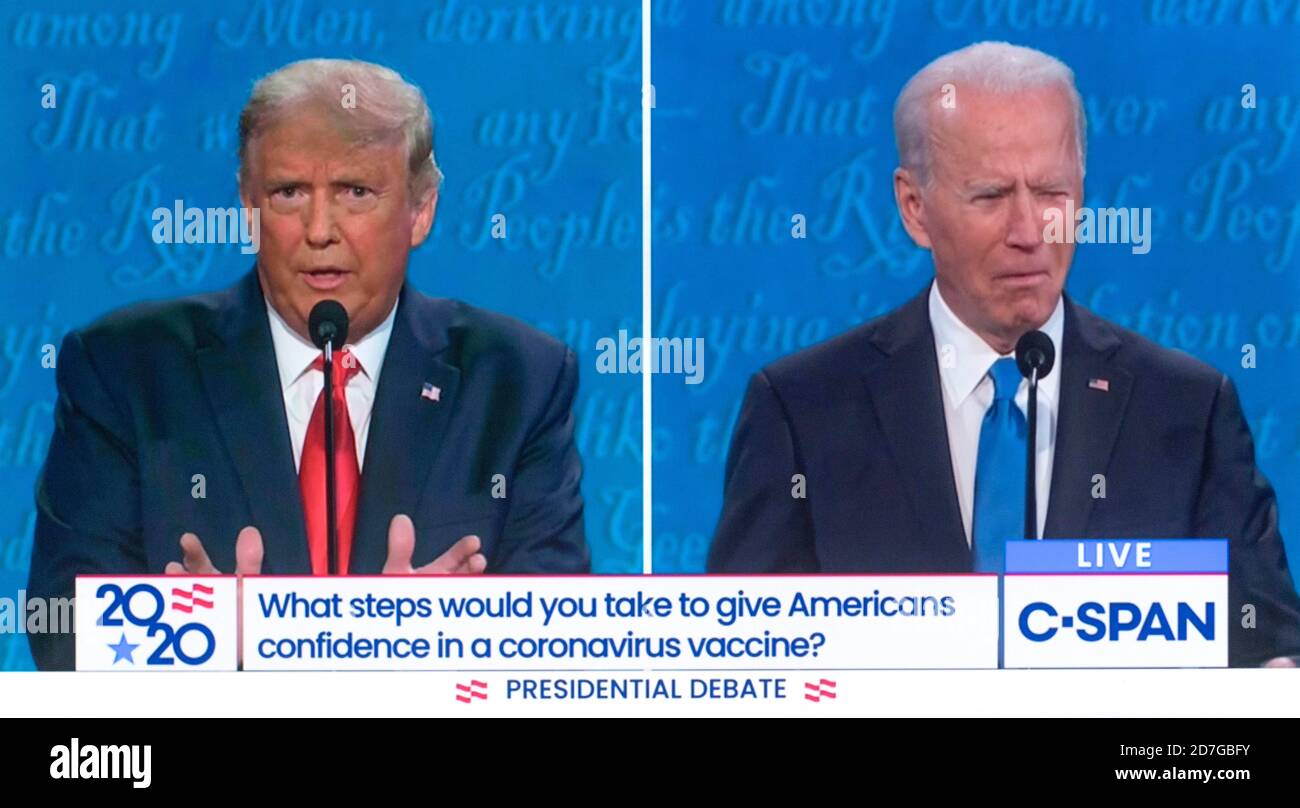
x=347 y=473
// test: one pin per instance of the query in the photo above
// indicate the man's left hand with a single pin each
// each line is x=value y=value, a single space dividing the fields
x=463 y=558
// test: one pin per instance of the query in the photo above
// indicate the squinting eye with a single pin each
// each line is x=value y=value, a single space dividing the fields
x=358 y=191
x=287 y=191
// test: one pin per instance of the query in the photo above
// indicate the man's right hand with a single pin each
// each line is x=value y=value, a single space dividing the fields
x=248 y=561
x=195 y=561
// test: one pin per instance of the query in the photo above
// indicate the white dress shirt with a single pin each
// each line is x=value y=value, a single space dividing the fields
x=301 y=385
x=968 y=392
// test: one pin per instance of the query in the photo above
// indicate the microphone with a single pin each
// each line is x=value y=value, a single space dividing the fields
x=1035 y=356
x=328 y=326
x=1034 y=351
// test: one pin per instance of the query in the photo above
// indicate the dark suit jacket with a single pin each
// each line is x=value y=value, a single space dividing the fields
x=157 y=393
x=861 y=417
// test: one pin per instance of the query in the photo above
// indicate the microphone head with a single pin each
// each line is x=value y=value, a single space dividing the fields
x=1035 y=350
x=328 y=322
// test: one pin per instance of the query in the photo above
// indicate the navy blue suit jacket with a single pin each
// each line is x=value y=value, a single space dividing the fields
x=861 y=417
x=157 y=393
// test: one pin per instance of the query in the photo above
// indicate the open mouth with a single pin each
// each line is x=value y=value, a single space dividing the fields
x=325 y=278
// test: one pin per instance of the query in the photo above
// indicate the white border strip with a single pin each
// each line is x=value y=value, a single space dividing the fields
x=647 y=434
x=926 y=693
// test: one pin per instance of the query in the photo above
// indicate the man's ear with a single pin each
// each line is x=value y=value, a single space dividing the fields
x=907 y=194
x=422 y=222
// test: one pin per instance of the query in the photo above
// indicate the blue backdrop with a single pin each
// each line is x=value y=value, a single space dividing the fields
x=537 y=117
x=765 y=110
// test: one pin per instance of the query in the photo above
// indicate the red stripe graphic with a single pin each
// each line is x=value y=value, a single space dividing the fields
x=819 y=690
x=188 y=595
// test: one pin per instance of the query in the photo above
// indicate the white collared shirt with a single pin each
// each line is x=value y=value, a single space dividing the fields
x=968 y=392
x=301 y=386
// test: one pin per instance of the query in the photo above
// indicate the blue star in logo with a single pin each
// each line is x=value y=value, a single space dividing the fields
x=123 y=650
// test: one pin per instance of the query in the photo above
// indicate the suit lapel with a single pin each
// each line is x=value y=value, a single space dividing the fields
x=406 y=427
x=1094 y=394
x=239 y=374
x=905 y=391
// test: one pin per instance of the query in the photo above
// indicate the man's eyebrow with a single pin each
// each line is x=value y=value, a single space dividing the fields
x=983 y=185
x=354 y=179
x=284 y=180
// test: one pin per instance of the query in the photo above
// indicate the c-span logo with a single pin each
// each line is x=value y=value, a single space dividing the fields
x=1096 y=622
x=156 y=623
x=1116 y=603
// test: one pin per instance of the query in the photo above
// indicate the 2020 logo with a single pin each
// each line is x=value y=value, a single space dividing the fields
x=143 y=606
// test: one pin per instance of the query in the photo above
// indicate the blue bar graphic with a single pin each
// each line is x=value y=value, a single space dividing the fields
x=1082 y=556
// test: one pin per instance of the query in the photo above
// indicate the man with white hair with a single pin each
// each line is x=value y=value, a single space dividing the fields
x=910 y=431
x=189 y=435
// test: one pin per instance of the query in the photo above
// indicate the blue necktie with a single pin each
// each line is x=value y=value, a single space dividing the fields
x=1000 y=477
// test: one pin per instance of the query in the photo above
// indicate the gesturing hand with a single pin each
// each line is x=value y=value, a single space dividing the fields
x=195 y=561
x=463 y=558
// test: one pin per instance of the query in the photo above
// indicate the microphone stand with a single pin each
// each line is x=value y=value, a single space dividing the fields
x=1031 y=489
x=330 y=506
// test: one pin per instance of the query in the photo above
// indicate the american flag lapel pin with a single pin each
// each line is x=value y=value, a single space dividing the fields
x=431 y=392
x=1099 y=384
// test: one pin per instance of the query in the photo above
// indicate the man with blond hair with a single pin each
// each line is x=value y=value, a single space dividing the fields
x=453 y=427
